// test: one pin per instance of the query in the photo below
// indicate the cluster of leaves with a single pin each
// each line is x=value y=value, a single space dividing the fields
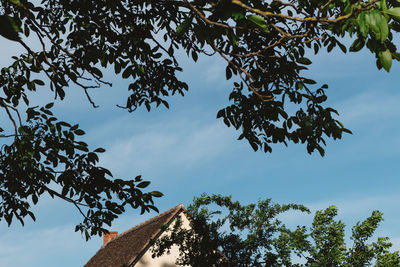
x=226 y=233
x=263 y=43
x=47 y=157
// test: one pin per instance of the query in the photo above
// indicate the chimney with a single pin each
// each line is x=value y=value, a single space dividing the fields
x=109 y=236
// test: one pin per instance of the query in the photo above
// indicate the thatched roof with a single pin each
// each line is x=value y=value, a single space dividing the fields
x=127 y=248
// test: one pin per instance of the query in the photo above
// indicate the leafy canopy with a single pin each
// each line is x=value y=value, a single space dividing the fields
x=262 y=42
x=226 y=233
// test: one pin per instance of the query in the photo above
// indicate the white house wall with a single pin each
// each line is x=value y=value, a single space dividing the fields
x=166 y=260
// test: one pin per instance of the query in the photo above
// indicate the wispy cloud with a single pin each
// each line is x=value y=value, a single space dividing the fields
x=369 y=106
x=159 y=148
x=44 y=247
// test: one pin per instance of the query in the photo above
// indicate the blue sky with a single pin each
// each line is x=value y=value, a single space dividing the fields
x=185 y=151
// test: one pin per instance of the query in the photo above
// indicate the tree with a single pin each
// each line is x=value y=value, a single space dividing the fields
x=226 y=233
x=263 y=43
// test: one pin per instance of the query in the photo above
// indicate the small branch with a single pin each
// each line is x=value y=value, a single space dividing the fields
x=201 y=15
x=16 y=111
x=85 y=88
x=264 y=98
x=165 y=50
x=7 y=136
x=51 y=191
x=305 y=19
x=326 y=4
x=5 y=106
x=292 y=6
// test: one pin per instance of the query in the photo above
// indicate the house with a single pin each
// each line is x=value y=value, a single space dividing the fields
x=132 y=248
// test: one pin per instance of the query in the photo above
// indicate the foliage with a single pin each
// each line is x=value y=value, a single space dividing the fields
x=29 y=167
x=226 y=233
x=263 y=43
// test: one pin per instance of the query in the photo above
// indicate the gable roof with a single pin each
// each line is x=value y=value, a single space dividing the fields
x=127 y=248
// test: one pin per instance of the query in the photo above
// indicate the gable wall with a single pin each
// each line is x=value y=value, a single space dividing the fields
x=167 y=260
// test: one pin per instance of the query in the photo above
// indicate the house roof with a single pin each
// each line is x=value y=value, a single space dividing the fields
x=128 y=247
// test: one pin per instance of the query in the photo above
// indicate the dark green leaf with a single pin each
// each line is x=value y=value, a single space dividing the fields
x=79 y=132
x=156 y=194
x=9 y=28
x=304 y=61
x=143 y=184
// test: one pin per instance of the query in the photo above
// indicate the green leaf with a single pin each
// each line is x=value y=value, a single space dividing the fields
x=379 y=26
x=156 y=194
x=15 y=2
x=396 y=56
x=143 y=184
x=99 y=150
x=82 y=148
x=228 y=73
x=34 y=199
x=74 y=127
x=237 y=15
x=260 y=22
x=183 y=27
x=357 y=45
x=299 y=85
x=9 y=29
x=93 y=157
x=384 y=29
x=342 y=47
x=382 y=5
x=309 y=81
x=385 y=58
x=127 y=72
x=395 y=12
x=117 y=67
x=232 y=37
x=49 y=105
x=257 y=19
x=97 y=72
x=362 y=24
x=371 y=19
x=220 y=113
x=194 y=56
x=87 y=235
x=304 y=61
x=79 y=132
x=61 y=93
x=348 y=8
x=39 y=82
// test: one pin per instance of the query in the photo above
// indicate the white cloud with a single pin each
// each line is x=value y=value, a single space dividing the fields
x=180 y=144
x=370 y=106
x=45 y=247
x=215 y=71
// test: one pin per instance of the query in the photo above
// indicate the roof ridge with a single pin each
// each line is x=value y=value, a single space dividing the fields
x=137 y=227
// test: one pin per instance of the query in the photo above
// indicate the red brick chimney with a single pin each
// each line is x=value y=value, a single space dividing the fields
x=109 y=236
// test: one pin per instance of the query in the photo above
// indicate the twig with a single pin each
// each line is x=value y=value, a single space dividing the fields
x=51 y=191
x=2 y=104
x=305 y=19
x=201 y=15
x=326 y=4
x=264 y=98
